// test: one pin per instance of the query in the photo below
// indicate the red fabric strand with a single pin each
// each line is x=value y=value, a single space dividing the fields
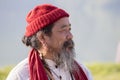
x=36 y=68
x=79 y=74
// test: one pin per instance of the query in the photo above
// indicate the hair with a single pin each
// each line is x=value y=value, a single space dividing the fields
x=33 y=41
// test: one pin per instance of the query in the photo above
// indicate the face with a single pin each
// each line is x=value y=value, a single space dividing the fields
x=60 y=34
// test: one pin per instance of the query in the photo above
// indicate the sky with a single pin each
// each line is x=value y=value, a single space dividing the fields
x=95 y=27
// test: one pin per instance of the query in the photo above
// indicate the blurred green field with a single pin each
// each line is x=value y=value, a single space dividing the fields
x=4 y=72
x=105 y=71
x=100 y=71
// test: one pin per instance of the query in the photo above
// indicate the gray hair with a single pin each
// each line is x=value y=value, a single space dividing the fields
x=33 y=41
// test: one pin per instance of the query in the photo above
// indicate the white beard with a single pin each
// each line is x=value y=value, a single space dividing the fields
x=64 y=56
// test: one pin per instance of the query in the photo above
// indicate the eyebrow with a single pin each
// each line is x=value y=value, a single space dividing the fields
x=65 y=26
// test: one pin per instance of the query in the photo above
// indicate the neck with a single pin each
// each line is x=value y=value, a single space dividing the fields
x=46 y=55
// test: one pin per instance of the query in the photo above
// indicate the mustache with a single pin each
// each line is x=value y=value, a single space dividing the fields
x=69 y=44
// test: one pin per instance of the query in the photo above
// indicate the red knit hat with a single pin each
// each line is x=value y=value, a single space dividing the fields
x=41 y=16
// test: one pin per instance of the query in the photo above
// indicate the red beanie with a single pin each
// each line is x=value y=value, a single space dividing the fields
x=41 y=16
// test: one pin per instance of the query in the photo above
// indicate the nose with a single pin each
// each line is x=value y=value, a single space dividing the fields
x=69 y=36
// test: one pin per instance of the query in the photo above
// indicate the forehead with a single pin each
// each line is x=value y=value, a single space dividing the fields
x=63 y=22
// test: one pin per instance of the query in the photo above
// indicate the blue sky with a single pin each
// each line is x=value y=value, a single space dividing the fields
x=95 y=26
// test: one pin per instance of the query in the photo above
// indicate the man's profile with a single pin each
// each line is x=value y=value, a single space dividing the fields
x=52 y=48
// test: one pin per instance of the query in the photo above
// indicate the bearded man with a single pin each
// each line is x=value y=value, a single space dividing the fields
x=52 y=54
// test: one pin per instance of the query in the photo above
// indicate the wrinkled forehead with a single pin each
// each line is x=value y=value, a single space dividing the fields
x=62 y=23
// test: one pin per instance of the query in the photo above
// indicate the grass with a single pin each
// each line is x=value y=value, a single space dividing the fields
x=105 y=71
x=100 y=71
x=4 y=72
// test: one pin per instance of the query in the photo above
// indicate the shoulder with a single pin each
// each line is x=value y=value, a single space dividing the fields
x=86 y=70
x=20 y=71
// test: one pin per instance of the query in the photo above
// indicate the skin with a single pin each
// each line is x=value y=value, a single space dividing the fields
x=60 y=34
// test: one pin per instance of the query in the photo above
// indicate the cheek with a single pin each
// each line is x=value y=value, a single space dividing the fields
x=58 y=42
x=58 y=39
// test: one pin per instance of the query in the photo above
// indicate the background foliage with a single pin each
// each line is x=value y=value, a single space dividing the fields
x=105 y=71
x=100 y=71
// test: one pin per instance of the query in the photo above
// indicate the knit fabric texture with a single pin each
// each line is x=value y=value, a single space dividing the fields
x=41 y=16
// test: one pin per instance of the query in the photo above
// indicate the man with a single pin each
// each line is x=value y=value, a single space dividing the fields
x=52 y=55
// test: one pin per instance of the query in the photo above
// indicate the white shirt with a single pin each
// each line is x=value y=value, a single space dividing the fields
x=59 y=71
x=21 y=71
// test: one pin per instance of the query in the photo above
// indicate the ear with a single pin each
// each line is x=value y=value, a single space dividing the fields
x=41 y=37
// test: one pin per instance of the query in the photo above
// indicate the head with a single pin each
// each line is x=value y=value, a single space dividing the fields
x=48 y=31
